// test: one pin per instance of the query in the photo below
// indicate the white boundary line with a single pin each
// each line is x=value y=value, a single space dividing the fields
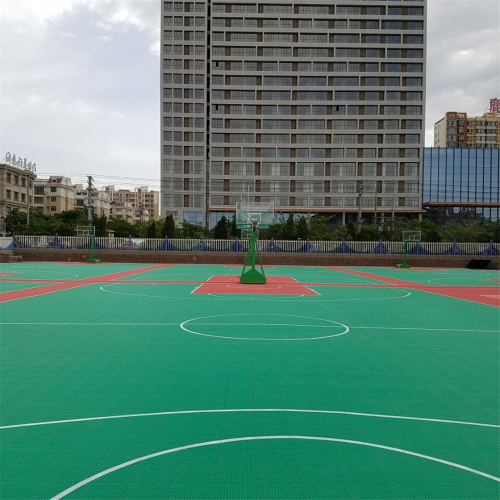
x=334 y=324
x=251 y=410
x=415 y=328
x=21 y=323
x=259 y=438
x=267 y=298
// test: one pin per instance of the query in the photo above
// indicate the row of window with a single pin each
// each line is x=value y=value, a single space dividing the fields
x=249 y=8
x=323 y=24
x=319 y=52
x=316 y=124
x=304 y=38
x=14 y=179
x=302 y=66
x=251 y=152
x=321 y=110
x=313 y=169
x=292 y=186
x=309 y=201
x=309 y=186
x=14 y=195
x=286 y=168
x=317 y=81
x=308 y=95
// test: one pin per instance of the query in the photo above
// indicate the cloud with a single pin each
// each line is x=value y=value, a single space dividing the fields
x=80 y=87
x=463 y=69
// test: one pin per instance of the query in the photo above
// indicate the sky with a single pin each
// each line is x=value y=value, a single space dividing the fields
x=80 y=81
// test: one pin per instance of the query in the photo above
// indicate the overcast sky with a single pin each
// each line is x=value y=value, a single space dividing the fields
x=80 y=81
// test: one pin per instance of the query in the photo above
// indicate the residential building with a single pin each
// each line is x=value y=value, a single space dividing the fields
x=144 y=202
x=54 y=195
x=461 y=184
x=313 y=107
x=495 y=105
x=457 y=130
x=16 y=188
x=100 y=200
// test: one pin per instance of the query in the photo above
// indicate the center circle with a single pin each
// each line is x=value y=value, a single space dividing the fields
x=259 y=327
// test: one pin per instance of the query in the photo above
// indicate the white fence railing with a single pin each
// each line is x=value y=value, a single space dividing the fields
x=238 y=245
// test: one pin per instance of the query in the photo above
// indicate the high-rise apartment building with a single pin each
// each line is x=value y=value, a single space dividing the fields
x=457 y=130
x=314 y=106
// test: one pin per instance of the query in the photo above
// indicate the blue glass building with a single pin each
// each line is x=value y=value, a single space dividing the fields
x=461 y=184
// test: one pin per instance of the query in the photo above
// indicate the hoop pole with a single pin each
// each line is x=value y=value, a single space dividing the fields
x=92 y=260
x=405 y=263
x=252 y=276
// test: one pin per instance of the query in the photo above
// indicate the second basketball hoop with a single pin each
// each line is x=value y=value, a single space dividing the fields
x=249 y=218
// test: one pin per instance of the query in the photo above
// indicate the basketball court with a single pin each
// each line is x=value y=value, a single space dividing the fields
x=176 y=381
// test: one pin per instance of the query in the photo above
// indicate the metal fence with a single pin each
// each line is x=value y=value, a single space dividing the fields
x=239 y=245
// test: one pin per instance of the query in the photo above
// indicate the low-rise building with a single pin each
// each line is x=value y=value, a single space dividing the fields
x=54 y=195
x=144 y=202
x=16 y=188
x=457 y=130
x=100 y=200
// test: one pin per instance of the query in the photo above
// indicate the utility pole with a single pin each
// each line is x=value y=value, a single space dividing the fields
x=360 y=195
x=27 y=200
x=89 y=198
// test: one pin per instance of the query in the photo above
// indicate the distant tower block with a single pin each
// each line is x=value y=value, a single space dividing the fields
x=495 y=105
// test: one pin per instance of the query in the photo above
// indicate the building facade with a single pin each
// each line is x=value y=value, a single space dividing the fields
x=461 y=184
x=101 y=205
x=457 y=130
x=54 y=195
x=16 y=189
x=144 y=203
x=313 y=107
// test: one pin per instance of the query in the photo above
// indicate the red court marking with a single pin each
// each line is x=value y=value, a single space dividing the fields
x=278 y=285
x=241 y=267
x=6 y=274
x=236 y=279
x=493 y=281
x=66 y=285
x=470 y=293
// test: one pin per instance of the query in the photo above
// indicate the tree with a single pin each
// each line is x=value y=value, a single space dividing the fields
x=351 y=231
x=233 y=231
x=151 y=231
x=100 y=229
x=289 y=232
x=168 y=228
x=192 y=231
x=220 y=231
x=302 y=229
x=16 y=222
x=121 y=227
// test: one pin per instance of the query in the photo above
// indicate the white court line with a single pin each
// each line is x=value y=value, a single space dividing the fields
x=257 y=324
x=416 y=328
x=259 y=438
x=251 y=410
x=335 y=324
x=246 y=297
x=19 y=273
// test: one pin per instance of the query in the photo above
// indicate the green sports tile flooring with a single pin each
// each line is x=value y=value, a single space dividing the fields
x=141 y=390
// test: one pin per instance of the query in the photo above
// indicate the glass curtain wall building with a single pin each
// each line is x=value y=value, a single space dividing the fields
x=316 y=107
x=461 y=184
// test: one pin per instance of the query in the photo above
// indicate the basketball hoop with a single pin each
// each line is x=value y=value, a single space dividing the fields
x=255 y=222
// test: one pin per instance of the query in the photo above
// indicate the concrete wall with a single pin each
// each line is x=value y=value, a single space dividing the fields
x=291 y=259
